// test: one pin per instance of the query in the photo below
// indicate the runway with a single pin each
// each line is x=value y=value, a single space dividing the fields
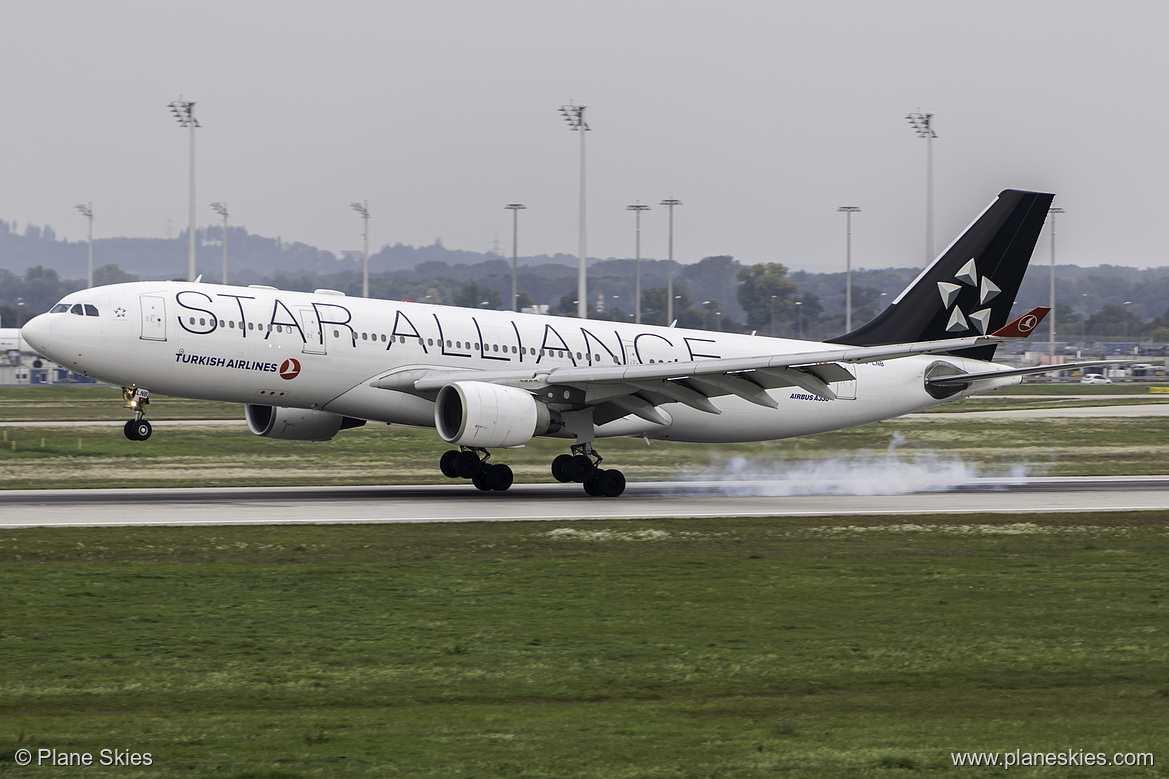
x=560 y=502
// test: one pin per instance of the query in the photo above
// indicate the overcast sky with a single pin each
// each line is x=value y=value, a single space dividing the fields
x=762 y=118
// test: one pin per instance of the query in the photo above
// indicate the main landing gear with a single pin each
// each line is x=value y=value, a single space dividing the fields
x=137 y=429
x=584 y=467
x=471 y=463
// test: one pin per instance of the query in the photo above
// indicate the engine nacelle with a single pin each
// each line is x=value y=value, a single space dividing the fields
x=475 y=413
x=296 y=424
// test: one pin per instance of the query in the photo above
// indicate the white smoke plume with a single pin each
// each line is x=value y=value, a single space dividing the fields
x=861 y=473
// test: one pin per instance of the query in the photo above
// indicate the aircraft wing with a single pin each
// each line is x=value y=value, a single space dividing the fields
x=619 y=390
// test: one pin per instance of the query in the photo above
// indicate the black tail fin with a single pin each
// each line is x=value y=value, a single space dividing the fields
x=970 y=288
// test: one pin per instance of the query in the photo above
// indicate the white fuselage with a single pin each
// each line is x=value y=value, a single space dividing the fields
x=323 y=350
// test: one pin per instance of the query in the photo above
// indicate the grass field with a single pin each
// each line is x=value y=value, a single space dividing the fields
x=680 y=648
x=736 y=647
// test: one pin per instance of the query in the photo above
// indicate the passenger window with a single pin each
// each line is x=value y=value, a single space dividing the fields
x=90 y=310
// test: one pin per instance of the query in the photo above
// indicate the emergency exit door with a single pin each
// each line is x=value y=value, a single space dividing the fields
x=153 y=318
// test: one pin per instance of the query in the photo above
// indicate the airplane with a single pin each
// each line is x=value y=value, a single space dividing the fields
x=309 y=365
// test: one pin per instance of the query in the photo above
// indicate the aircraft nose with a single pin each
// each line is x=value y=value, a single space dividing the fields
x=36 y=332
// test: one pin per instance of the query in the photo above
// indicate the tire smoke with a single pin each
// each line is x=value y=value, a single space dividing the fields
x=863 y=473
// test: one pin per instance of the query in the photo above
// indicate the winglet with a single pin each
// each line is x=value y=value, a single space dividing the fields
x=1024 y=325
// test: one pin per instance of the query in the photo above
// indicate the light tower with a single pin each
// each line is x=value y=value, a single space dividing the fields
x=1054 y=211
x=184 y=111
x=637 y=208
x=86 y=210
x=221 y=209
x=670 y=266
x=363 y=209
x=848 y=212
x=923 y=125
x=574 y=115
x=515 y=209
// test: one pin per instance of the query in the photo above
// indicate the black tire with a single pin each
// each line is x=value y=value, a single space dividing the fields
x=131 y=430
x=466 y=465
x=593 y=488
x=560 y=468
x=446 y=463
x=142 y=430
x=611 y=483
x=500 y=477
x=580 y=469
x=482 y=479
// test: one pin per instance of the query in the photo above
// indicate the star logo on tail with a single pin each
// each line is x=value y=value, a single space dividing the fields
x=960 y=321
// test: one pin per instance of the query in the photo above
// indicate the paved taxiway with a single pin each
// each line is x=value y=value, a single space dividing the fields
x=462 y=502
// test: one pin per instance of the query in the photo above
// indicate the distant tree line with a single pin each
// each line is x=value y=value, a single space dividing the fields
x=1105 y=302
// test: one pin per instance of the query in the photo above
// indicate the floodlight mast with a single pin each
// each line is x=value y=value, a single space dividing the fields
x=363 y=209
x=670 y=265
x=848 y=212
x=1053 y=211
x=184 y=111
x=923 y=125
x=637 y=208
x=515 y=209
x=574 y=115
x=86 y=210
x=221 y=209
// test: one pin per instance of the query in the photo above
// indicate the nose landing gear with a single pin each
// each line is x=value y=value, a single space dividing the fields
x=471 y=463
x=137 y=429
x=583 y=467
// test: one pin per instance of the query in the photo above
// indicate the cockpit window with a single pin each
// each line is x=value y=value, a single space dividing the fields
x=77 y=309
x=90 y=310
x=60 y=308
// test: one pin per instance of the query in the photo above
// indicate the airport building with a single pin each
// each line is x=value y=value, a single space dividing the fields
x=20 y=365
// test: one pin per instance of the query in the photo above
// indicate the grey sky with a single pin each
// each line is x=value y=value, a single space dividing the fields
x=762 y=118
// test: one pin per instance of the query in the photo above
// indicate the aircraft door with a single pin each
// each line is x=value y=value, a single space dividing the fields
x=314 y=342
x=153 y=317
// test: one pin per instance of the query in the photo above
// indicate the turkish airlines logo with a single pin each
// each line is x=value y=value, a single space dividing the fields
x=1028 y=323
x=290 y=369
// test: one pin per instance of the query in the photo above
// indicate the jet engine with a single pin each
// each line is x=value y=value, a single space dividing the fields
x=296 y=424
x=482 y=415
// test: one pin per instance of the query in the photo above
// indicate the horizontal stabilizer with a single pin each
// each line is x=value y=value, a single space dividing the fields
x=966 y=378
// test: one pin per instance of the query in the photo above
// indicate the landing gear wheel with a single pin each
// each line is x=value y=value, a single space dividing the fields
x=137 y=430
x=482 y=479
x=579 y=468
x=466 y=465
x=560 y=468
x=611 y=483
x=447 y=463
x=499 y=477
